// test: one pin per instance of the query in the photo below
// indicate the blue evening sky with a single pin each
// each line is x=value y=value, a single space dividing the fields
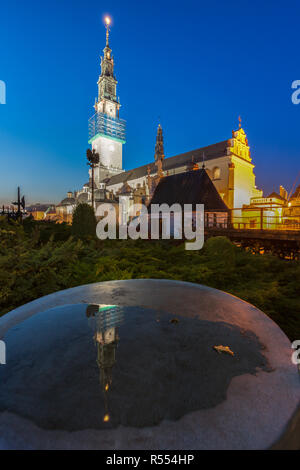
x=196 y=65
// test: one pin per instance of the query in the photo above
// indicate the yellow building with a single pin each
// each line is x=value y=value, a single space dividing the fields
x=261 y=213
x=42 y=212
x=274 y=212
x=64 y=210
x=291 y=213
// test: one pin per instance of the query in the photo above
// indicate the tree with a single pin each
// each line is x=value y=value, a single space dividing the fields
x=93 y=160
x=84 y=221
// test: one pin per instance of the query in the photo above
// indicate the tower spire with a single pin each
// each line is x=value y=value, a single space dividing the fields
x=107 y=102
x=107 y=21
x=159 y=154
x=159 y=146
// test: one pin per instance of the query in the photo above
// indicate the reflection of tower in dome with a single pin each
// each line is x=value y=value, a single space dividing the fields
x=106 y=319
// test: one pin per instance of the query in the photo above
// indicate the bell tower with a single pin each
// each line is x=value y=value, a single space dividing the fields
x=106 y=129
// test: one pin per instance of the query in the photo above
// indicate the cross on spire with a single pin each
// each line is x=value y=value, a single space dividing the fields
x=107 y=21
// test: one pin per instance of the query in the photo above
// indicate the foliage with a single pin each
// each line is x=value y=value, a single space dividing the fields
x=84 y=221
x=40 y=258
x=92 y=157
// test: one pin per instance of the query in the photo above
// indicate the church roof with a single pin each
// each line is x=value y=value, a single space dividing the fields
x=191 y=187
x=67 y=201
x=211 y=151
x=276 y=195
x=83 y=197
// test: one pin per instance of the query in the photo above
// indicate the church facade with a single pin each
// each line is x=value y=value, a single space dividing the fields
x=228 y=163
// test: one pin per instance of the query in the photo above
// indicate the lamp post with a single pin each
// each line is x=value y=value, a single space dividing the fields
x=93 y=160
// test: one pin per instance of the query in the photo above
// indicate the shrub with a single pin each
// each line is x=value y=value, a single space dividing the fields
x=42 y=258
x=84 y=221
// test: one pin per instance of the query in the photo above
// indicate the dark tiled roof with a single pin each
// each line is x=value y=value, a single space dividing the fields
x=274 y=194
x=38 y=208
x=210 y=152
x=67 y=201
x=106 y=201
x=191 y=187
x=83 y=197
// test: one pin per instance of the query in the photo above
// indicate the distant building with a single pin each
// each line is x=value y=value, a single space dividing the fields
x=261 y=213
x=291 y=212
x=277 y=211
x=64 y=209
x=42 y=211
x=50 y=214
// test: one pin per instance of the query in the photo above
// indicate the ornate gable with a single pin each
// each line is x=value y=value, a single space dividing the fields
x=239 y=145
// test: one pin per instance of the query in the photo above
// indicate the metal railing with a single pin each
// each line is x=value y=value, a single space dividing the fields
x=263 y=220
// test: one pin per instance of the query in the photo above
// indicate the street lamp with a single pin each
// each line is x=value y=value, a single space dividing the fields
x=93 y=160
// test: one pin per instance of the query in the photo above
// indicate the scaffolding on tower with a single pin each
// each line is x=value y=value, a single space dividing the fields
x=106 y=126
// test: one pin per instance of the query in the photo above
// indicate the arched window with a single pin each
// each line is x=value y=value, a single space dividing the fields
x=216 y=173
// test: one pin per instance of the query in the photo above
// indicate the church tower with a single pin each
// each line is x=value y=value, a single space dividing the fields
x=106 y=129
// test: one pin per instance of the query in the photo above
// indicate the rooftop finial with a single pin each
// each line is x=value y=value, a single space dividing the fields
x=159 y=125
x=107 y=22
x=240 y=122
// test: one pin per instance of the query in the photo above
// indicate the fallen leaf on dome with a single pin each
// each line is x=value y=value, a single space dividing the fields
x=225 y=349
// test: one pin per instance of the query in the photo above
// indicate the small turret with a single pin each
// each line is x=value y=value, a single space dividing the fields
x=159 y=146
x=159 y=152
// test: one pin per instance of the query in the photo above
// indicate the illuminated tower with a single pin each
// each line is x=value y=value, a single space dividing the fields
x=106 y=130
x=106 y=320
